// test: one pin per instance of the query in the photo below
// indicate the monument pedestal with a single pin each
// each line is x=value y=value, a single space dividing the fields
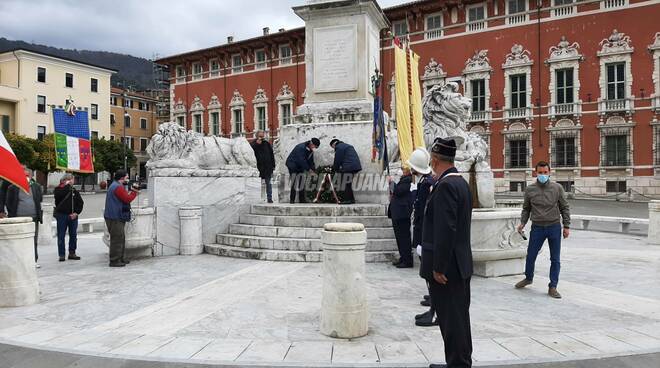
x=497 y=248
x=18 y=277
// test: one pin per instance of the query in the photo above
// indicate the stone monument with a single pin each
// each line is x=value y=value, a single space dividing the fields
x=342 y=49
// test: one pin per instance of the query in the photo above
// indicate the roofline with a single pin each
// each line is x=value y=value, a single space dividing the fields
x=58 y=57
x=130 y=94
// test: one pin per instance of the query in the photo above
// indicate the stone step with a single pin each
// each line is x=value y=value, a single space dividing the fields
x=294 y=244
x=286 y=255
x=300 y=232
x=319 y=210
x=302 y=221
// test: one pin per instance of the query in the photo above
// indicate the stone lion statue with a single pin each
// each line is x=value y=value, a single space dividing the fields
x=174 y=147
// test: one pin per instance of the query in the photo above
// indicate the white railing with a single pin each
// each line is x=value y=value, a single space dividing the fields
x=181 y=78
x=616 y=105
x=565 y=109
x=656 y=103
x=519 y=113
x=606 y=4
x=516 y=18
x=434 y=33
x=476 y=116
x=564 y=11
x=476 y=26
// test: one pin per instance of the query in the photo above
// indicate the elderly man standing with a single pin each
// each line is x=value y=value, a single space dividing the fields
x=21 y=204
x=68 y=206
x=446 y=240
x=544 y=202
x=346 y=164
x=263 y=152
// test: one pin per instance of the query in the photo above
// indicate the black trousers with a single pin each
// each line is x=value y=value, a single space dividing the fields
x=345 y=184
x=298 y=181
x=117 y=240
x=403 y=240
x=452 y=305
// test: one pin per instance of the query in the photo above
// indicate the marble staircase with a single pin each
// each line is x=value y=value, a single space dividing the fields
x=292 y=232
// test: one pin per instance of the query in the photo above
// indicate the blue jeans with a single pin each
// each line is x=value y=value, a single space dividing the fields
x=269 y=188
x=537 y=237
x=64 y=222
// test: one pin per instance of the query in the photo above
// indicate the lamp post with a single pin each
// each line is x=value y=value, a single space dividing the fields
x=124 y=95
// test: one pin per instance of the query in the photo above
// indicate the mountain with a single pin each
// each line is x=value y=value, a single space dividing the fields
x=132 y=71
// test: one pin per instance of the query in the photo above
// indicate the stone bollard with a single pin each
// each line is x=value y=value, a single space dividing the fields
x=344 y=312
x=46 y=229
x=654 y=223
x=190 y=219
x=18 y=277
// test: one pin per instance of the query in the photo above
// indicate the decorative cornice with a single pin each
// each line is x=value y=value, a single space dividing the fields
x=285 y=93
x=617 y=43
x=479 y=62
x=433 y=70
x=237 y=99
x=518 y=57
x=656 y=43
x=260 y=96
x=564 y=51
x=214 y=103
x=197 y=105
x=179 y=107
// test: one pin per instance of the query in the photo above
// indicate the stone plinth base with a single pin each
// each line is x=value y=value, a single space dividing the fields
x=18 y=277
x=139 y=233
x=221 y=194
x=497 y=248
x=497 y=268
x=344 y=312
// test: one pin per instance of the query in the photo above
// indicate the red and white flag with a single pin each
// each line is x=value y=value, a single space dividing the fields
x=10 y=169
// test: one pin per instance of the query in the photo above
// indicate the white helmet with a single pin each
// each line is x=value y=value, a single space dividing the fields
x=419 y=161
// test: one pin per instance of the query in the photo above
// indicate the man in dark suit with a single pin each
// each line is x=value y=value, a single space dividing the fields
x=21 y=204
x=300 y=161
x=446 y=240
x=346 y=165
x=263 y=152
x=399 y=211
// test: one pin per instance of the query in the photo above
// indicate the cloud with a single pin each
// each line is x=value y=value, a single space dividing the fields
x=144 y=27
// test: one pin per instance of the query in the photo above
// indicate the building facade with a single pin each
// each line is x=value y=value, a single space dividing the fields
x=133 y=120
x=574 y=83
x=31 y=83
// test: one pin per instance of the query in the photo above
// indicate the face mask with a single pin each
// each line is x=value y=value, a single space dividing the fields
x=543 y=178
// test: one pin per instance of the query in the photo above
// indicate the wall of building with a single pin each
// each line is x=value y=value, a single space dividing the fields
x=8 y=70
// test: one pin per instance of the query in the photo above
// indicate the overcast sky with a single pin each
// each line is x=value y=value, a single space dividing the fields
x=144 y=27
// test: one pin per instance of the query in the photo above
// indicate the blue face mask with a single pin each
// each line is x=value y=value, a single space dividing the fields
x=543 y=178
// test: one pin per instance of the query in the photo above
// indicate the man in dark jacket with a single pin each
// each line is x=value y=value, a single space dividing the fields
x=68 y=206
x=346 y=165
x=446 y=240
x=399 y=211
x=299 y=162
x=117 y=213
x=21 y=204
x=263 y=152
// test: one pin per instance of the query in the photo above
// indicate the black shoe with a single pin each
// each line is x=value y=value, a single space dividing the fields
x=270 y=201
x=74 y=257
x=424 y=315
x=425 y=303
x=118 y=264
x=396 y=263
x=62 y=258
x=426 y=322
x=427 y=297
x=292 y=201
x=125 y=261
x=438 y=366
x=404 y=265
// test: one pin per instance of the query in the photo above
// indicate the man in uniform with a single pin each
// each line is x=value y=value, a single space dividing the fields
x=299 y=162
x=446 y=240
x=346 y=165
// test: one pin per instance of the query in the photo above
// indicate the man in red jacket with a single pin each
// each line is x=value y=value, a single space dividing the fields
x=117 y=213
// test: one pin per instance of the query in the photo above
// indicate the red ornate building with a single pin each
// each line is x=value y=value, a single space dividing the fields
x=576 y=83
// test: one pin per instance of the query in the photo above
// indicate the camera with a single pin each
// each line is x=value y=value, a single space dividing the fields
x=135 y=186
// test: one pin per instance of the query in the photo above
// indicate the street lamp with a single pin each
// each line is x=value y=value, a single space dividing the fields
x=124 y=95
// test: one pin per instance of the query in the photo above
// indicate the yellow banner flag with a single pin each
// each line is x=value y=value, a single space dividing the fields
x=408 y=98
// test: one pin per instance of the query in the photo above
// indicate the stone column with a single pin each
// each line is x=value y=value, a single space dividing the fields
x=654 y=223
x=190 y=219
x=18 y=277
x=344 y=312
x=46 y=229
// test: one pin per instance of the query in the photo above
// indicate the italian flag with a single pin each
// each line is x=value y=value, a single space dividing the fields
x=73 y=154
x=11 y=170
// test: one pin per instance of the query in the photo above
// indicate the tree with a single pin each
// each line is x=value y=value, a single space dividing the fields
x=109 y=155
x=22 y=147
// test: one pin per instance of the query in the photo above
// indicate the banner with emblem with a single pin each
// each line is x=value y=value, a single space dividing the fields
x=73 y=148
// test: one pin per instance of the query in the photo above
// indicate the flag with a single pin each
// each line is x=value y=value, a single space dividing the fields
x=73 y=150
x=11 y=170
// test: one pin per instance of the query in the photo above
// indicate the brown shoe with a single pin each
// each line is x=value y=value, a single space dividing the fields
x=554 y=293
x=523 y=283
x=74 y=257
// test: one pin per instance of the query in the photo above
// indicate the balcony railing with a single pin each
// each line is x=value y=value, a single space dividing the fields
x=516 y=18
x=613 y=3
x=433 y=33
x=518 y=113
x=563 y=11
x=569 y=109
x=656 y=103
x=476 y=26
x=620 y=105
x=477 y=116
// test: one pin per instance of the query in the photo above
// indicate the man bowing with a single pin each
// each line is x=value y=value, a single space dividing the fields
x=446 y=240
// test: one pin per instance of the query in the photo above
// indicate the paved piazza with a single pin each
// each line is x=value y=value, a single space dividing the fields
x=221 y=310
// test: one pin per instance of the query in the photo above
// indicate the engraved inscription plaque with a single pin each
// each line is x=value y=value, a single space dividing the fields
x=335 y=59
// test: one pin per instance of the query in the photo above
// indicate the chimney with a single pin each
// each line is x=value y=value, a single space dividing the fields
x=282 y=30
x=266 y=31
x=230 y=39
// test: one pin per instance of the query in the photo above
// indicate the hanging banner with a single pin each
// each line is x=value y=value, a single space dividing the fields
x=73 y=149
x=408 y=98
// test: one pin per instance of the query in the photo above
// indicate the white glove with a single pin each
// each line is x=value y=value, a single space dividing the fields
x=413 y=187
x=419 y=250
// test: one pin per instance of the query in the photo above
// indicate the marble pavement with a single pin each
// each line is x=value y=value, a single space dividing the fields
x=211 y=309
